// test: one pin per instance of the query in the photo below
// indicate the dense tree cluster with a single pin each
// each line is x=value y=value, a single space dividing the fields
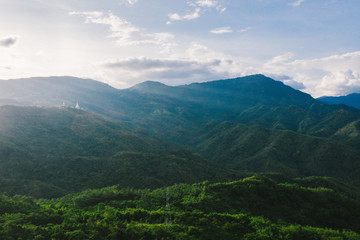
x=243 y=209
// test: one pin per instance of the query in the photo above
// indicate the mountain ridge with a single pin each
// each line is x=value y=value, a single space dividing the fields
x=352 y=100
x=150 y=114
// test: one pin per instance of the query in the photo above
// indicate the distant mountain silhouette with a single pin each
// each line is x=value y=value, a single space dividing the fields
x=352 y=100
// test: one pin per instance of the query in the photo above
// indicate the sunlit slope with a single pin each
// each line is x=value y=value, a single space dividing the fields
x=55 y=91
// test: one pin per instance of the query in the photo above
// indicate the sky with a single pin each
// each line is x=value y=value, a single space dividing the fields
x=310 y=45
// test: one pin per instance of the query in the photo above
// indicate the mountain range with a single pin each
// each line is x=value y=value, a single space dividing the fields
x=243 y=158
x=153 y=135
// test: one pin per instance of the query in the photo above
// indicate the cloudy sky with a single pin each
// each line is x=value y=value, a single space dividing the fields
x=312 y=45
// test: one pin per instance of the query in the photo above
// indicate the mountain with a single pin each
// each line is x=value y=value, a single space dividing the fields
x=264 y=161
x=352 y=100
x=222 y=98
x=47 y=152
x=236 y=94
x=231 y=99
x=254 y=99
x=251 y=123
x=251 y=100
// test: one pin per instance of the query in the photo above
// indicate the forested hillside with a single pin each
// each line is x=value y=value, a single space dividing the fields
x=47 y=152
x=256 y=207
x=256 y=148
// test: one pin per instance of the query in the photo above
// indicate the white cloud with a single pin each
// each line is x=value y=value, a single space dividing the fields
x=286 y=80
x=202 y=53
x=89 y=16
x=199 y=6
x=8 y=41
x=332 y=63
x=296 y=3
x=6 y=67
x=144 y=63
x=222 y=30
x=279 y=61
x=183 y=63
x=124 y=32
x=170 y=71
x=294 y=84
x=207 y=3
x=194 y=63
x=128 y=2
x=132 y=1
x=220 y=9
x=339 y=83
x=244 y=29
x=190 y=16
x=332 y=76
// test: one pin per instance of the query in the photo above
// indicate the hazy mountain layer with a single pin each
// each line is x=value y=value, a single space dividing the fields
x=172 y=112
x=352 y=100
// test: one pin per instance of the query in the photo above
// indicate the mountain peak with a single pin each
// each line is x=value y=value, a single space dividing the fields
x=252 y=90
x=148 y=84
x=150 y=87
